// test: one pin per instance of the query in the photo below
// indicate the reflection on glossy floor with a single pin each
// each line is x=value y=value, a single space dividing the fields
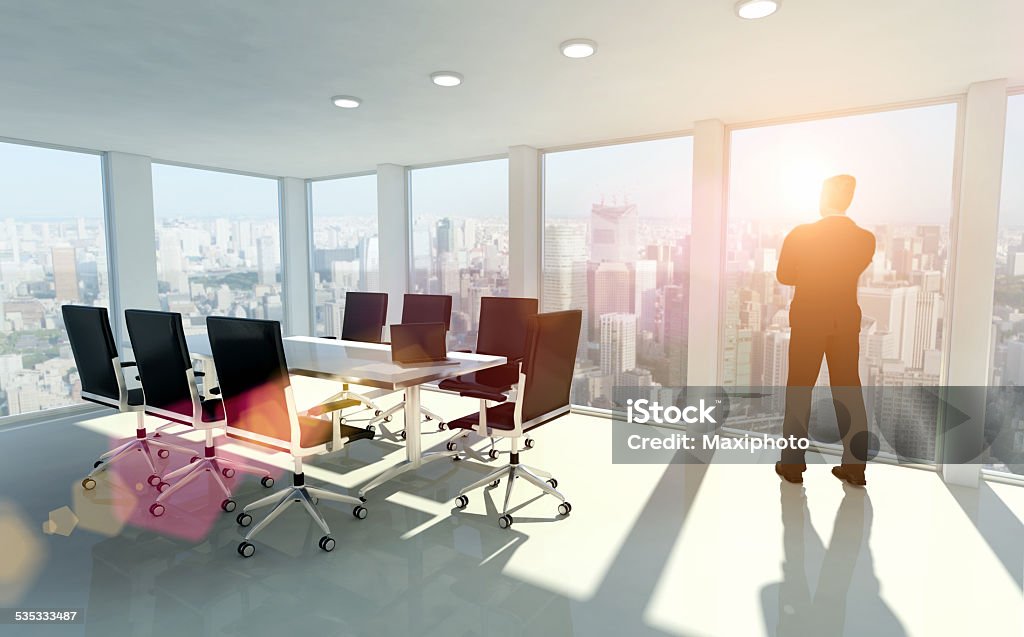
x=647 y=550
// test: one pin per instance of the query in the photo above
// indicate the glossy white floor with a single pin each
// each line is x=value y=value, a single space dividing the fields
x=647 y=550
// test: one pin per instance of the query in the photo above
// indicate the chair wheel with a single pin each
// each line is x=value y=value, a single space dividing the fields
x=553 y=483
x=243 y=519
x=505 y=521
x=462 y=501
x=97 y=463
x=493 y=454
x=387 y=419
x=377 y=412
x=402 y=434
x=227 y=472
x=495 y=483
x=228 y=505
x=426 y=418
x=156 y=509
x=153 y=480
x=451 y=446
x=162 y=486
x=342 y=421
x=267 y=481
x=88 y=484
x=327 y=543
x=529 y=443
x=193 y=460
x=360 y=512
x=564 y=508
x=163 y=453
x=441 y=426
x=245 y=549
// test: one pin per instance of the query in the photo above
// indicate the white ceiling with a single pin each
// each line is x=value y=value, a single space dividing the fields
x=245 y=84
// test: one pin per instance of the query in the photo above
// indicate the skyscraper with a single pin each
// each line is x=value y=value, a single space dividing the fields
x=65 y=273
x=613 y=233
x=618 y=344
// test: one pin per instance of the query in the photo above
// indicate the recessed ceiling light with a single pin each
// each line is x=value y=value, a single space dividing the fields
x=446 y=78
x=577 y=49
x=755 y=9
x=346 y=101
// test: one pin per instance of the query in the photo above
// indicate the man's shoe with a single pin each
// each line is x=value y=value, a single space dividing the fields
x=851 y=474
x=791 y=472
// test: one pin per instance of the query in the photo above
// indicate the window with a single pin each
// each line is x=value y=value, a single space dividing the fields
x=617 y=246
x=1007 y=369
x=903 y=162
x=52 y=251
x=218 y=244
x=345 y=248
x=460 y=238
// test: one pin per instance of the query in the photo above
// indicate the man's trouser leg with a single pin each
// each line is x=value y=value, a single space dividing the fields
x=842 y=355
x=805 y=351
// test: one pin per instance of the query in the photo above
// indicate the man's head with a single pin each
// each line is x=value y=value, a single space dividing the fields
x=836 y=195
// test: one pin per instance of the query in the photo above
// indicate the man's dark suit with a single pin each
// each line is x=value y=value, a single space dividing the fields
x=824 y=260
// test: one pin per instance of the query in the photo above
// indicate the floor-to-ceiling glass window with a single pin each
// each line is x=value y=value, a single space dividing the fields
x=52 y=251
x=218 y=244
x=903 y=163
x=1007 y=369
x=617 y=246
x=345 y=249
x=460 y=238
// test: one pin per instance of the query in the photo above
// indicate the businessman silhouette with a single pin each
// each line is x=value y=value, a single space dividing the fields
x=824 y=260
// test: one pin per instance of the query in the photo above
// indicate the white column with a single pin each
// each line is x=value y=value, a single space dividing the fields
x=394 y=235
x=131 y=236
x=706 y=252
x=296 y=257
x=972 y=271
x=525 y=225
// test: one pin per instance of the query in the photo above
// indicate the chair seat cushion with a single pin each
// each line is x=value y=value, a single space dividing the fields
x=486 y=383
x=312 y=432
x=501 y=417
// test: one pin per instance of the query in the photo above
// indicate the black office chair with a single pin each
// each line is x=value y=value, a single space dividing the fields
x=502 y=332
x=170 y=389
x=545 y=381
x=100 y=370
x=260 y=408
x=420 y=308
x=366 y=313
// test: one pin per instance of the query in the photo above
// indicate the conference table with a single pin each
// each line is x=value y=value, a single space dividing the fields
x=367 y=365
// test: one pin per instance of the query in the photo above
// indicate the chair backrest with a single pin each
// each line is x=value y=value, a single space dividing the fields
x=161 y=354
x=365 y=316
x=503 y=325
x=549 y=362
x=253 y=375
x=94 y=349
x=427 y=308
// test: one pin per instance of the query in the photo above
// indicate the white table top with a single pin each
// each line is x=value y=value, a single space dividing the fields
x=367 y=364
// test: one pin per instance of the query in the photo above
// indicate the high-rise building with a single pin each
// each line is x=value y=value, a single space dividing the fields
x=645 y=289
x=676 y=325
x=610 y=287
x=894 y=307
x=618 y=344
x=65 y=273
x=266 y=260
x=613 y=233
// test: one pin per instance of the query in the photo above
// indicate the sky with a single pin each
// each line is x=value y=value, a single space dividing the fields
x=903 y=161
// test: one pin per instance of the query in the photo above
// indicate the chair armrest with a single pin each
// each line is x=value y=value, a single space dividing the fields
x=332 y=405
x=215 y=391
x=127 y=364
